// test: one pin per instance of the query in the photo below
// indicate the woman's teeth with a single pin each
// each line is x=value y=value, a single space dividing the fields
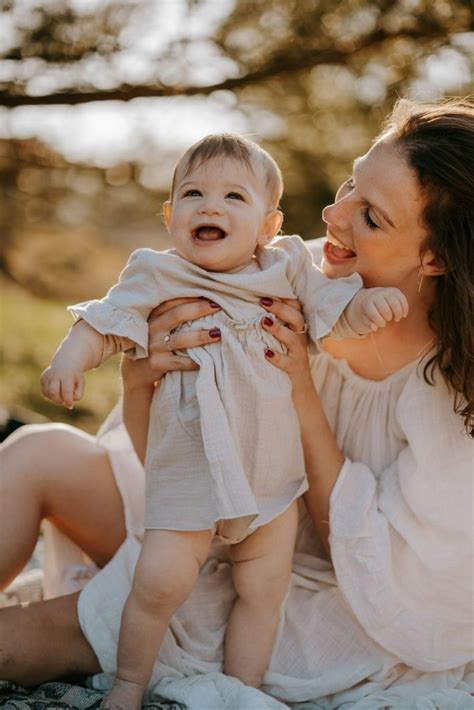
x=339 y=250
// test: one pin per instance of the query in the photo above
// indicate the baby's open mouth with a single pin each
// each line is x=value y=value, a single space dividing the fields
x=208 y=233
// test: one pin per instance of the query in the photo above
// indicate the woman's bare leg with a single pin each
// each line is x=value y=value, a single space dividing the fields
x=60 y=473
x=43 y=642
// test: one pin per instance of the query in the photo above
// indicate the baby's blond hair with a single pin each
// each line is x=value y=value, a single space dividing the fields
x=235 y=147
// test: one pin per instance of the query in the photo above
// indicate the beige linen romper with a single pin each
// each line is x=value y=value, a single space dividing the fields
x=224 y=450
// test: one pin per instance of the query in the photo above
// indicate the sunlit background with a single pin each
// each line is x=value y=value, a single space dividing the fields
x=99 y=97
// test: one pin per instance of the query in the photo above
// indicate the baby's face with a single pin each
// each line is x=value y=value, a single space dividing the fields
x=220 y=213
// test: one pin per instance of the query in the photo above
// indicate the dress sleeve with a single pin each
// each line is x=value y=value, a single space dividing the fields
x=124 y=311
x=323 y=299
x=401 y=543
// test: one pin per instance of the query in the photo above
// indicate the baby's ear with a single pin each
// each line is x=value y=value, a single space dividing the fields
x=271 y=226
x=167 y=213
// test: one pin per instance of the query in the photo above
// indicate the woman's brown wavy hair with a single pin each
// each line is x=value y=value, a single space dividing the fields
x=437 y=141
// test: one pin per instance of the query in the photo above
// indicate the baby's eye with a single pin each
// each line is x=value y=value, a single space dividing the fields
x=350 y=183
x=234 y=196
x=192 y=193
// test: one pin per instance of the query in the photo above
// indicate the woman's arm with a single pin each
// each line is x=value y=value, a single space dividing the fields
x=141 y=377
x=401 y=541
x=137 y=395
x=323 y=458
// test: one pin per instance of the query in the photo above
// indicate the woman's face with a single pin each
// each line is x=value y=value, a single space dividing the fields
x=375 y=225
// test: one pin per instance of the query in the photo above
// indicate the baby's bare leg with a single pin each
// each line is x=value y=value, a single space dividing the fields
x=56 y=472
x=166 y=572
x=44 y=641
x=261 y=572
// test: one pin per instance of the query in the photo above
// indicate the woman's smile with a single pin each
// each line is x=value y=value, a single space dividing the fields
x=336 y=252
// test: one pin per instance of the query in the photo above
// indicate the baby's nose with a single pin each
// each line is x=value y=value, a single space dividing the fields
x=211 y=206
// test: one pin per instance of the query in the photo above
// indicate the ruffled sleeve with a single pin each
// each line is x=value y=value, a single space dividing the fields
x=401 y=543
x=323 y=299
x=124 y=311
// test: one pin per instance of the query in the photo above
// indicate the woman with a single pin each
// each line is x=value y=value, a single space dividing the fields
x=388 y=461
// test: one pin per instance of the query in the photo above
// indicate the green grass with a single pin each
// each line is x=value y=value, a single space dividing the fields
x=31 y=329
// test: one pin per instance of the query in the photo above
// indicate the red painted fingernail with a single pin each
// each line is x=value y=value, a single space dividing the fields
x=269 y=353
x=213 y=304
x=215 y=333
x=268 y=321
x=266 y=301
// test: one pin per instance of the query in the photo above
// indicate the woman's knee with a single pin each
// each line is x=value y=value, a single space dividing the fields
x=35 y=455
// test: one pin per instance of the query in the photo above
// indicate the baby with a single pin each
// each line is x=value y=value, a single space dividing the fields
x=224 y=456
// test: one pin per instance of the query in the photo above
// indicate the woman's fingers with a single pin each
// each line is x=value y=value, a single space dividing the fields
x=286 y=336
x=191 y=339
x=288 y=311
x=179 y=311
x=173 y=362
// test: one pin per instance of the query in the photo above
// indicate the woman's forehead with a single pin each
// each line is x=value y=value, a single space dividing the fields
x=385 y=179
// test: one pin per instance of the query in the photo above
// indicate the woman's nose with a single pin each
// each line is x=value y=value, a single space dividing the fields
x=335 y=213
x=327 y=213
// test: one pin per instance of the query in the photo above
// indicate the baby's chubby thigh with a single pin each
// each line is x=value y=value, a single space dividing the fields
x=262 y=562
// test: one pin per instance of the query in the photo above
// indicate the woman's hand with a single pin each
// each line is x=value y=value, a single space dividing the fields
x=145 y=373
x=292 y=334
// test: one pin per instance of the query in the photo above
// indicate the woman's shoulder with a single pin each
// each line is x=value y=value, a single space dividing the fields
x=425 y=411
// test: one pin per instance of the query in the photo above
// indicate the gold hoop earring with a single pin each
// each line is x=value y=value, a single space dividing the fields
x=419 y=280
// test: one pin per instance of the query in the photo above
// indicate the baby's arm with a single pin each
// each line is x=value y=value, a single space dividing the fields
x=369 y=310
x=81 y=350
x=338 y=307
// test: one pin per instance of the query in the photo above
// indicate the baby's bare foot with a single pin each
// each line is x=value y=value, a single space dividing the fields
x=125 y=695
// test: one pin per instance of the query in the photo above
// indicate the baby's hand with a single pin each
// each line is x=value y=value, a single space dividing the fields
x=373 y=308
x=62 y=385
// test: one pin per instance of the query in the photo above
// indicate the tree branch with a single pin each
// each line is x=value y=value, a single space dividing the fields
x=280 y=63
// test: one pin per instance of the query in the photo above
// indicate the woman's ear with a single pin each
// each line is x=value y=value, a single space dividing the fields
x=432 y=265
x=167 y=213
x=271 y=226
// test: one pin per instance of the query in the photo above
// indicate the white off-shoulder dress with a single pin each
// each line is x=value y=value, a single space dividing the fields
x=224 y=450
x=387 y=624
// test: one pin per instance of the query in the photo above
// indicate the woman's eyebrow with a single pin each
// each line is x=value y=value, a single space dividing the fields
x=369 y=202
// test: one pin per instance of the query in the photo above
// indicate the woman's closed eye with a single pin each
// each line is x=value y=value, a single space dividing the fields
x=350 y=184
x=368 y=220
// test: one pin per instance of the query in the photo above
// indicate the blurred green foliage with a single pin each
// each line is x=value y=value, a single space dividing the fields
x=32 y=327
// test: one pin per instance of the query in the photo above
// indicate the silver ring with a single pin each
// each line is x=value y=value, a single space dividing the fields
x=167 y=339
x=302 y=332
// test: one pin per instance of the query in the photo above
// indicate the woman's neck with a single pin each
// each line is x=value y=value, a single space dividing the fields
x=389 y=349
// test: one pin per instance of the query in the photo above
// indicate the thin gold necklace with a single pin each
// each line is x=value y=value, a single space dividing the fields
x=385 y=371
